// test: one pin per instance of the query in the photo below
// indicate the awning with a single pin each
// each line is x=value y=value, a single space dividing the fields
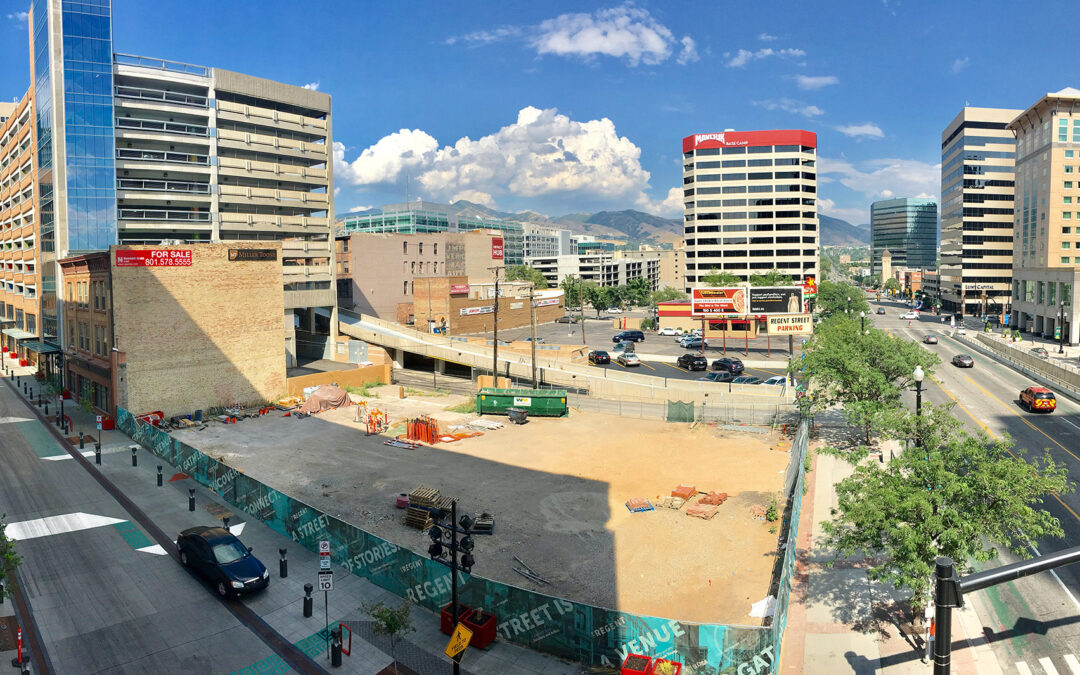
x=41 y=347
x=6 y=320
x=18 y=333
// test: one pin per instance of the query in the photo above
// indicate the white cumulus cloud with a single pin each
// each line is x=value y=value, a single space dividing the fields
x=884 y=178
x=19 y=16
x=765 y=37
x=543 y=154
x=851 y=215
x=864 y=130
x=960 y=64
x=812 y=82
x=623 y=32
x=483 y=37
x=357 y=209
x=790 y=106
x=743 y=56
x=476 y=197
x=313 y=86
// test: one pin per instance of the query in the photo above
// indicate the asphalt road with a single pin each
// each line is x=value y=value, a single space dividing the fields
x=1037 y=618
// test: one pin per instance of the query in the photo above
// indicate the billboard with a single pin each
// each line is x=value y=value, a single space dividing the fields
x=718 y=301
x=470 y=311
x=167 y=257
x=496 y=248
x=791 y=324
x=459 y=289
x=776 y=300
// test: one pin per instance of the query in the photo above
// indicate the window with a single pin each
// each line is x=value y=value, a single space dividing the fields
x=1067 y=215
x=1076 y=131
x=1064 y=244
x=412 y=267
x=1068 y=185
x=1065 y=259
x=435 y=268
x=1066 y=230
x=1063 y=130
x=435 y=248
x=69 y=297
x=1068 y=154
x=1068 y=168
x=404 y=248
x=420 y=248
x=405 y=288
x=1068 y=200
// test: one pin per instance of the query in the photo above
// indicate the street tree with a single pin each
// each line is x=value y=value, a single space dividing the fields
x=838 y=297
x=595 y=296
x=392 y=622
x=891 y=284
x=955 y=495
x=637 y=291
x=572 y=288
x=666 y=295
x=773 y=277
x=863 y=373
x=9 y=559
x=526 y=273
x=717 y=279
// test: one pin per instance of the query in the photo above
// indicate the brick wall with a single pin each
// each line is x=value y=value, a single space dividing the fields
x=199 y=336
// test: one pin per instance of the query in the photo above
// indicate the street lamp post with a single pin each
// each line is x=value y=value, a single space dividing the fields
x=862 y=322
x=1061 y=329
x=918 y=375
x=442 y=533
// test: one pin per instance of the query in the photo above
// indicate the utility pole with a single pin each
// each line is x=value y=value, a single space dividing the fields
x=495 y=342
x=532 y=331
x=581 y=306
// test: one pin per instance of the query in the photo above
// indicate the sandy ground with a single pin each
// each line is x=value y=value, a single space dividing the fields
x=557 y=488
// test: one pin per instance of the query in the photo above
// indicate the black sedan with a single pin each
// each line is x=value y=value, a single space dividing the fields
x=718 y=376
x=599 y=356
x=963 y=361
x=219 y=557
x=692 y=362
x=728 y=364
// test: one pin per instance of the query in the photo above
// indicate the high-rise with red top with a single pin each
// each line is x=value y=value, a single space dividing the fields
x=750 y=204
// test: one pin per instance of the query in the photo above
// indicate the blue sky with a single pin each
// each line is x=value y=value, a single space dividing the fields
x=561 y=107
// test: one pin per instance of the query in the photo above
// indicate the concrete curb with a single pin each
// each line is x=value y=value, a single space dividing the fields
x=1041 y=378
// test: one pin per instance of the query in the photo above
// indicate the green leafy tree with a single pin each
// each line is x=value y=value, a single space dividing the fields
x=892 y=284
x=956 y=495
x=826 y=267
x=718 y=279
x=595 y=296
x=9 y=559
x=572 y=291
x=862 y=373
x=86 y=399
x=666 y=295
x=835 y=297
x=773 y=277
x=526 y=273
x=391 y=622
x=637 y=291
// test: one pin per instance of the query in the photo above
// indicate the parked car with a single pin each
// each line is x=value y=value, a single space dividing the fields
x=629 y=336
x=909 y=315
x=747 y=379
x=692 y=362
x=729 y=364
x=1038 y=399
x=694 y=343
x=217 y=555
x=669 y=330
x=960 y=330
x=718 y=376
x=599 y=356
x=613 y=310
x=778 y=380
x=628 y=359
x=880 y=310
x=539 y=340
x=567 y=319
x=623 y=347
x=1040 y=352
x=963 y=361
x=930 y=340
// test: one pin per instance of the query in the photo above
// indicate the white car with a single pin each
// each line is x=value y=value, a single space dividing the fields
x=628 y=359
x=613 y=310
x=960 y=330
x=668 y=330
x=910 y=315
x=778 y=380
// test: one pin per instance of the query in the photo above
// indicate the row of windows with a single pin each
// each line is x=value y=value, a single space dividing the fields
x=760 y=175
x=735 y=163
x=752 y=149
x=975 y=156
x=980 y=198
x=1063 y=130
x=742 y=241
x=760 y=201
x=757 y=253
x=745 y=215
x=744 y=189
x=759 y=227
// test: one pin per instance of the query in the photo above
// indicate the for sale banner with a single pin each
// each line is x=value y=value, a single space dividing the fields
x=165 y=257
x=714 y=301
x=776 y=300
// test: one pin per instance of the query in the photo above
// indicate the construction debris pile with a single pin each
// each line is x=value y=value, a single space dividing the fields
x=705 y=507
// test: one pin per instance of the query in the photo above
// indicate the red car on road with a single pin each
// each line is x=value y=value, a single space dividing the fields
x=1038 y=399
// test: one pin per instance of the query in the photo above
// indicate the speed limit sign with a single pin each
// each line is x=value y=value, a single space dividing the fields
x=326 y=581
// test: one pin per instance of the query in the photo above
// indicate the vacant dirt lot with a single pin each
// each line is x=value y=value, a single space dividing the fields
x=557 y=488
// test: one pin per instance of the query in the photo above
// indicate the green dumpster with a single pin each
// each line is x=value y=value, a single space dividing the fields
x=537 y=402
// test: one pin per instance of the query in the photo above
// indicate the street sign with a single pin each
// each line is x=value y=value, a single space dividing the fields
x=326 y=581
x=458 y=641
x=324 y=546
x=324 y=562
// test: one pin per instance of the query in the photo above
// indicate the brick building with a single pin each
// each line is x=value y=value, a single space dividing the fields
x=87 y=312
x=454 y=306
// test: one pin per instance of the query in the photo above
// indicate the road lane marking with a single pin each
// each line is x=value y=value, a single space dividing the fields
x=1048 y=666
x=1022 y=418
x=647 y=366
x=68 y=522
x=677 y=368
x=1073 y=664
x=155 y=550
x=9 y=420
x=1071 y=425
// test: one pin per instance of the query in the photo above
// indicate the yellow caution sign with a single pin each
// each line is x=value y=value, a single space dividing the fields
x=458 y=641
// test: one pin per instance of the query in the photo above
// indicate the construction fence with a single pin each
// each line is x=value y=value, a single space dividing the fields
x=593 y=636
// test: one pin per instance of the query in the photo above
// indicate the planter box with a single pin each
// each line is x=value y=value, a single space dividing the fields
x=22 y=362
x=66 y=394
x=665 y=667
x=446 y=621
x=483 y=626
x=634 y=664
x=107 y=424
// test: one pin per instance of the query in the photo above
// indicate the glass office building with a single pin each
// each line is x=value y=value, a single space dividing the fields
x=907 y=228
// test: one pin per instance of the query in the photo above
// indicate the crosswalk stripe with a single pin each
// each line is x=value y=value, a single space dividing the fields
x=1048 y=666
x=1073 y=664
x=1023 y=668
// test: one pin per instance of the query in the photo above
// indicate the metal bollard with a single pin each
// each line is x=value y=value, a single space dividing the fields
x=82 y=443
x=335 y=647
x=97 y=452
x=225 y=522
x=309 y=602
x=191 y=499
x=40 y=401
x=159 y=475
x=46 y=408
x=283 y=564
x=134 y=455
x=31 y=393
x=24 y=386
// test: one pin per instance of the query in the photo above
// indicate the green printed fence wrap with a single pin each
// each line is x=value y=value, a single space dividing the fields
x=570 y=630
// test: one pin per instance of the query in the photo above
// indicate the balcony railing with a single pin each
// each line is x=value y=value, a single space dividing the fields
x=161 y=96
x=159 y=125
x=164 y=214
x=161 y=64
x=162 y=185
x=162 y=156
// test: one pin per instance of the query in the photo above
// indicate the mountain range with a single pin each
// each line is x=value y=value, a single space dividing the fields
x=637 y=227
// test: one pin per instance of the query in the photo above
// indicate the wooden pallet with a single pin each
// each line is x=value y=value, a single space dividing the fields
x=418 y=518
x=424 y=496
x=674 y=503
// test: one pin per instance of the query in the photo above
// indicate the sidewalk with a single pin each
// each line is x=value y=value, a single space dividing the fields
x=280 y=605
x=839 y=621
